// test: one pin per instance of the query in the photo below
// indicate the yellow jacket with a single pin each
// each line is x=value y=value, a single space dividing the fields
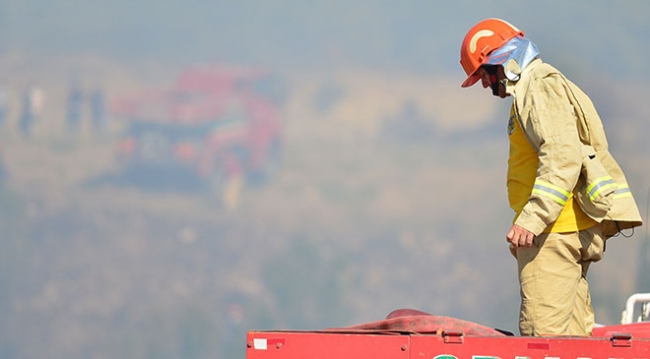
x=562 y=124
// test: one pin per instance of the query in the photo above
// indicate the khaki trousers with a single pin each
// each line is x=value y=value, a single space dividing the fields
x=555 y=296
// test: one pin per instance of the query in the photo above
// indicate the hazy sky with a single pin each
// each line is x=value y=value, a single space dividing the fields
x=421 y=36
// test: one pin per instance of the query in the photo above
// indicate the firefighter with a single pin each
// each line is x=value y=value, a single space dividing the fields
x=568 y=193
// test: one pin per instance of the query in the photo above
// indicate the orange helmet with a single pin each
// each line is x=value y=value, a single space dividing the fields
x=480 y=40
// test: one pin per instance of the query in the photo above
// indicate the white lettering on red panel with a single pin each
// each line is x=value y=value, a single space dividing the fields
x=259 y=343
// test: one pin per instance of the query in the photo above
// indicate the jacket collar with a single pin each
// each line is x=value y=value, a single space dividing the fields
x=510 y=85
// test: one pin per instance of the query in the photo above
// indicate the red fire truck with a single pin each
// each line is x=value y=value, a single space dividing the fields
x=411 y=334
x=215 y=123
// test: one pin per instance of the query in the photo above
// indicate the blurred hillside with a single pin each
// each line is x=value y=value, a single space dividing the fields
x=391 y=194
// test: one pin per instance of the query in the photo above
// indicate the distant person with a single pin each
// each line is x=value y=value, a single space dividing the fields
x=32 y=107
x=98 y=109
x=75 y=103
x=568 y=192
x=4 y=104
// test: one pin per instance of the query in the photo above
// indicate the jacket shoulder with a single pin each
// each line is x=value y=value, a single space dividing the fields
x=538 y=70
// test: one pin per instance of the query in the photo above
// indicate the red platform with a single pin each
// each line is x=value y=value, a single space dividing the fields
x=412 y=334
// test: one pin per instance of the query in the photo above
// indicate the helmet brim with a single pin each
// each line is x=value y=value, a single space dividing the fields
x=471 y=79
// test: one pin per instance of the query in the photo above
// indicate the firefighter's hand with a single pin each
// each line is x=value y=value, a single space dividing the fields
x=520 y=237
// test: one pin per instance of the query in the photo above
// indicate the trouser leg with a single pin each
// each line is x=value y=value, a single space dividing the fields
x=593 y=246
x=555 y=297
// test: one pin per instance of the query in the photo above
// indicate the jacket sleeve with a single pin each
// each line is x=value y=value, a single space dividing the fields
x=548 y=119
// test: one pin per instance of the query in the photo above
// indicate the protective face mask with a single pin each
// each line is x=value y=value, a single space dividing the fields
x=514 y=56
